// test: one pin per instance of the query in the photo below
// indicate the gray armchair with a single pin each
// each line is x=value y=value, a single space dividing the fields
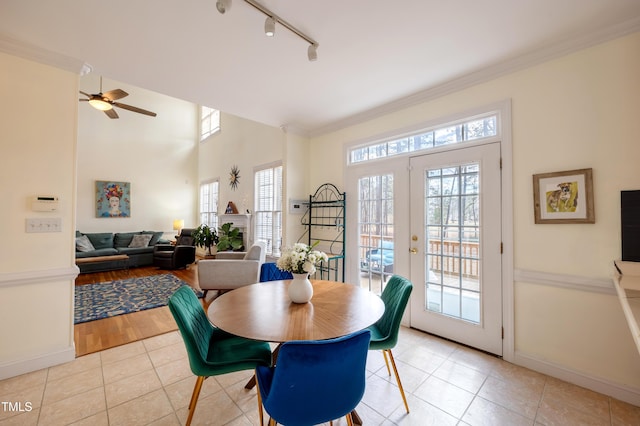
x=230 y=270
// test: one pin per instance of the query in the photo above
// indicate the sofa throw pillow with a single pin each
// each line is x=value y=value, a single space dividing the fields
x=122 y=239
x=155 y=236
x=140 y=240
x=83 y=244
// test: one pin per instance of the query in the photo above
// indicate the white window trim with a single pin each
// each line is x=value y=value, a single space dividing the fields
x=256 y=170
x=215 y=208
x=426 y=126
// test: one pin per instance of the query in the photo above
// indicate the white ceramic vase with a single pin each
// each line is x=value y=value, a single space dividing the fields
x=300 y=289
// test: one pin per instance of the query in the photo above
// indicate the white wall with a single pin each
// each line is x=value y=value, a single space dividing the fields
x=578 y=111
x=37 y=270
x=574 y=112
x=248 y=145
x=296 y=186
x=157 y=155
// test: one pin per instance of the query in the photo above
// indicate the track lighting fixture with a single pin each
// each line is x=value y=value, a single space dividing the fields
x=269 y=26
x=312 y=52
x=223 y=5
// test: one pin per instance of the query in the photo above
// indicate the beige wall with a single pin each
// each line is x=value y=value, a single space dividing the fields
x=38 y=122
x=573 y=112
x=249 y=145
x=296 y=186
x=157 y=155
x=577 y=111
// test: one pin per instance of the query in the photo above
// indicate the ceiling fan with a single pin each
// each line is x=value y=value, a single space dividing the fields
x=106 y=101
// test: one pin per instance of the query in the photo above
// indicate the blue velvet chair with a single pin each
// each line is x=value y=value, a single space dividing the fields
x=212 y=351
x=384 y=333
x=315 y=381
x=270 y=272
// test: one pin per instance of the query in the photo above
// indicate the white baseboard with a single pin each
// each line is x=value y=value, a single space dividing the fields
x=623 y=393
x=16 y=368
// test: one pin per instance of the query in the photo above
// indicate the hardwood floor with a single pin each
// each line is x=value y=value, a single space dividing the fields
x=94 y=336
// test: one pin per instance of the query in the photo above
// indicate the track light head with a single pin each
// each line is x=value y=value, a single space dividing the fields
x=312 y=52
x=270 y=26
x=223 y=5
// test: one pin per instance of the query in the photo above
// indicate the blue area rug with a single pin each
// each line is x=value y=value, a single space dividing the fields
x=109 y=299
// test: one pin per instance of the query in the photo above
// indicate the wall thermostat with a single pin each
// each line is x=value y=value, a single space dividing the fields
x=44 y=203
x=298 y=206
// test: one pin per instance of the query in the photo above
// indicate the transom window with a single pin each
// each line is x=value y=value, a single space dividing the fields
x=209 y=122
x=467 y=130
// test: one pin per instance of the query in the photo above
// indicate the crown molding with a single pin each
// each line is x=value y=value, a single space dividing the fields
x=489 y=73
x=34 y=53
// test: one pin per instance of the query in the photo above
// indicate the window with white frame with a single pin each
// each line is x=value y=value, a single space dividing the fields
x=467 y=130
x=268 y=207
x=209 y=122
x=209 y=203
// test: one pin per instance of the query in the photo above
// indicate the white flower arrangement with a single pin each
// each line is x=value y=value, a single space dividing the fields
x=301 y=259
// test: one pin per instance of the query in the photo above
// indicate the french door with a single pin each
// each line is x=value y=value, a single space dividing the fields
x=436 y=219
x=455 y=253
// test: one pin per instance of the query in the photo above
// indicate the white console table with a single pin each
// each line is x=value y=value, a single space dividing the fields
x=627 y=286
x=241 y=221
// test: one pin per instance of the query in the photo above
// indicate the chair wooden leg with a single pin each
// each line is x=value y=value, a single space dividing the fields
x=194 y=398
x=386 y=361
x=349 y=419
x=395 y=370
x=260 y=410
x=272 y=422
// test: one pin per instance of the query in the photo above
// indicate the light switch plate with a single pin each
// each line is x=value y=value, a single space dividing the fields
x=51 y=224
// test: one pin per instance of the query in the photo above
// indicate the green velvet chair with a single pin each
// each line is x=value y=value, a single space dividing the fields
x=212 y=351
x=384 y=333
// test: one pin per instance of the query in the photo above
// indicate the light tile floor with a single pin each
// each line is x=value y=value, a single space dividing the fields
x=149 y=383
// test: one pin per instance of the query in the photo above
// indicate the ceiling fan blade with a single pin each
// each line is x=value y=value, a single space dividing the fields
x=111 y=113
x=115 y=94
x=86 y=94
x=83 y=100
x=134 y=109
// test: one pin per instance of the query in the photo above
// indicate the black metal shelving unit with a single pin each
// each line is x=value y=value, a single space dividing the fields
x=324 y=222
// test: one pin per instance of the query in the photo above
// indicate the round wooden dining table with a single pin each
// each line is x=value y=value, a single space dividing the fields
x=263 y=311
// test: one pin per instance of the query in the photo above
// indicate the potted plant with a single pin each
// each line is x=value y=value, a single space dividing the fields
x=205 y=236
x=229 y=238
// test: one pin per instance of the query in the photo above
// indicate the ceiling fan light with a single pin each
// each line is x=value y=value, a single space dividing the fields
x=223 y=5
x=270 y=26
x=312 y=52
x=100 y=104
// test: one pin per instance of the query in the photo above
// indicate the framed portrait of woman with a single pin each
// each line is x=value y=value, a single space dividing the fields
x=113 y=199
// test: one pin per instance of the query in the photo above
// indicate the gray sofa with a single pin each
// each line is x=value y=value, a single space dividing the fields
x=137 y=245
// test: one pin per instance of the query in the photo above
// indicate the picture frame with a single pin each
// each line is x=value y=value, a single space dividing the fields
x=564 y=197
x=113 y=199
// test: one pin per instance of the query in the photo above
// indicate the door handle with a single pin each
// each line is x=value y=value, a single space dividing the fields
x=413 y=250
